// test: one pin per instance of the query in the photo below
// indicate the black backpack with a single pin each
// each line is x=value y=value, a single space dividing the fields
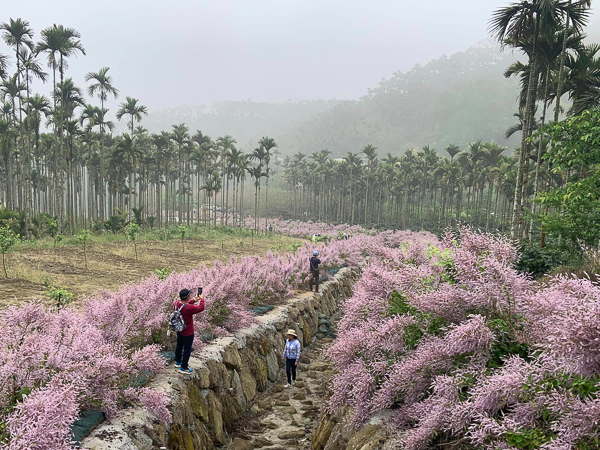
x=176 y=322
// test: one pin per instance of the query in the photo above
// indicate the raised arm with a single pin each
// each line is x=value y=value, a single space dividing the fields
x=196 y=308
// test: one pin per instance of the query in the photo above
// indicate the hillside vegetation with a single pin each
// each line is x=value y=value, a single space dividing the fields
x=455 y=99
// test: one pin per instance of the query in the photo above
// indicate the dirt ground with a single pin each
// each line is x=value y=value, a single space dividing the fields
x=112 y=264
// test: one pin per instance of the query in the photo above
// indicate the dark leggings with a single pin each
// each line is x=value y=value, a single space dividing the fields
x=314 y=279
x=290 y=369
x=184 y=345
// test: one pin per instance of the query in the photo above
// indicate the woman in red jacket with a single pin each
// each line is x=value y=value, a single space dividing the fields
x=185 y=338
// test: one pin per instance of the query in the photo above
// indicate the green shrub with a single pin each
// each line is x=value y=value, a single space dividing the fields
x=116 y=222
x=538 y=262
x=60 y=296
x=7 y=239
x=528 y=439
x=132 y=230
x=163 y=273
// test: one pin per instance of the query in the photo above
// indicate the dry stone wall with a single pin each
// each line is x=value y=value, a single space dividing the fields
x=228 y=374
x=335 y=433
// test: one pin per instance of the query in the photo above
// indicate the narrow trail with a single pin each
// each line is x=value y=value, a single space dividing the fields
x=284 y=419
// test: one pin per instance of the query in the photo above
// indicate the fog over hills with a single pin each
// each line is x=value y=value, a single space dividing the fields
x=454 y=99
x=246 y=121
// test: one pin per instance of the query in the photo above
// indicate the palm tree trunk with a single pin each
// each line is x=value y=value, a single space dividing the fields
x=489 y=205
x=561 y=70
x=527 y=128
x=215 y=212
x=367 y=201
x=180 y=189
x=242 y=200
x=167 y=197
x=539 y=153
x=227 y=200
x=496 y=207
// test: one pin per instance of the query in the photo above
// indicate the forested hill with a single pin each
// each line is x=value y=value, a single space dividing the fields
x=456 y=99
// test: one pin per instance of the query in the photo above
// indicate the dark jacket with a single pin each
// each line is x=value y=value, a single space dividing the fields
x=314 y=263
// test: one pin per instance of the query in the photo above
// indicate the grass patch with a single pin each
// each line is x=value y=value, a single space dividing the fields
x=157 y=234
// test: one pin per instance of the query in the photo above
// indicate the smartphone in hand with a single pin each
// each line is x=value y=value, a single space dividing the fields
x=199 y=291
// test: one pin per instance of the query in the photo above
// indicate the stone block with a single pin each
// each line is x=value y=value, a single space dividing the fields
x=293 y=313
x=299 y=396
x=201 y=438
x=364 y=436
x=218 y=376
x=180 y=438
x=292 y=434
x=215 y=418
x=260 y=442
x=248 y=384
x=197 y=402
x=260 y=371
x=264 y=346
x=203 y=378
x=279 y=344
x=238 y=391
x=307 y=335
x=182 y=411
x=272 y=366
x=231 y=357
x=231 y=410
x=157 y=432
x=241 y=444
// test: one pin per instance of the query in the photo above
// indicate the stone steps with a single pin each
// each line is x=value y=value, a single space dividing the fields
x=288 y=417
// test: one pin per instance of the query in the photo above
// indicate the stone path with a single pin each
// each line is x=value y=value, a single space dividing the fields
x=285 y=419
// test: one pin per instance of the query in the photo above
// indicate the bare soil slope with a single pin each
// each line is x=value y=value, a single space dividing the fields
x=112 y=264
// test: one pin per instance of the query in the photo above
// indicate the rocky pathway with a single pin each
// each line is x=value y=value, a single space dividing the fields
x=284 y=419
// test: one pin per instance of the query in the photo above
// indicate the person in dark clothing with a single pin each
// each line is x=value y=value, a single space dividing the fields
x=185 y=338
x=315 y=262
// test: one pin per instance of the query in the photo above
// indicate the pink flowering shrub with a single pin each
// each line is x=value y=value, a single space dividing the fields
x=301 y=229
x=42 y=420
x=53 y=365
x=156 y=402
x=462 y=348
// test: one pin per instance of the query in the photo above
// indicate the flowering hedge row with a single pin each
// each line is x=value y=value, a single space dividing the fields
x=300 y=229
x=466 y=351
x=54 y=364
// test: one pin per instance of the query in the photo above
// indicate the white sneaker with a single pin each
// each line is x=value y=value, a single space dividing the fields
x=286 y=386
x=294 y=383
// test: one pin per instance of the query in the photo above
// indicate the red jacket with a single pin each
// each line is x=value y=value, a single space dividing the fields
x=188 y=312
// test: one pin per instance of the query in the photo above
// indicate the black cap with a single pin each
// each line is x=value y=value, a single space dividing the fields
x=184 y=293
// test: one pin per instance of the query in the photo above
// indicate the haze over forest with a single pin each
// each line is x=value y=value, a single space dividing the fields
x=311 y=75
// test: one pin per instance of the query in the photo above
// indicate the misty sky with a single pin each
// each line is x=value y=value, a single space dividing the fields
x=168 y=53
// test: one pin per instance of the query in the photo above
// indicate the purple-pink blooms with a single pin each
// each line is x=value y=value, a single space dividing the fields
x=446 y=383
x=55 y=364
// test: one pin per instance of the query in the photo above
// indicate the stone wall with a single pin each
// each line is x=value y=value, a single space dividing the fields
x=228 y=374
x=335 y=433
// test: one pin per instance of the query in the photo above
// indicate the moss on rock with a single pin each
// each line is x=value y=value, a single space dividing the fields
x=197 y=402
x=180 y=438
